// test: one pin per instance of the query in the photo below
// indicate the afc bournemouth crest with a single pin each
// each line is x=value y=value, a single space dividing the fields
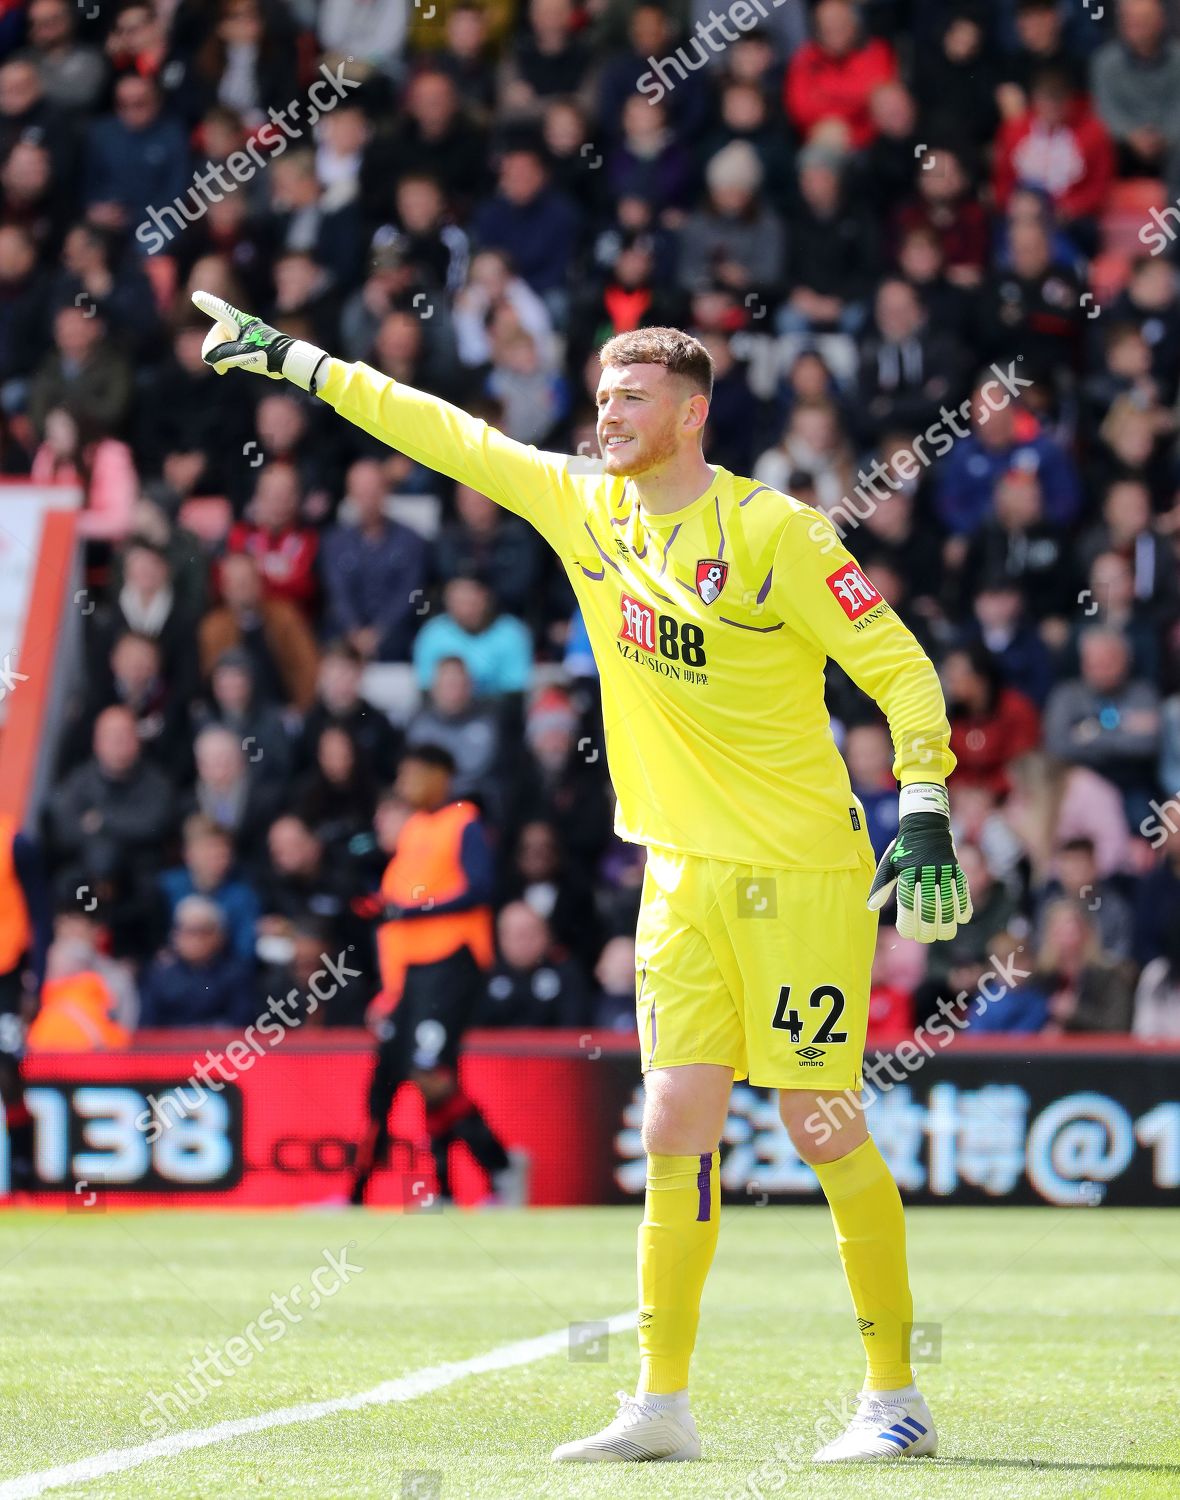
x=711 y=576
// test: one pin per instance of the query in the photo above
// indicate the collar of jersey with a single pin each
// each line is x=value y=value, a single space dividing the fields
x=659 y=521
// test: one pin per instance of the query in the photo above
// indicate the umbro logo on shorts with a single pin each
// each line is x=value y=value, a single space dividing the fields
x=809 y=1054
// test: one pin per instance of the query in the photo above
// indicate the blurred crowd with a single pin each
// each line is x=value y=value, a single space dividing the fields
x=926 y=242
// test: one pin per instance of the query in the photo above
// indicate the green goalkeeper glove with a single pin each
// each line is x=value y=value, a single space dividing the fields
x=932 y=894
x=238 y=341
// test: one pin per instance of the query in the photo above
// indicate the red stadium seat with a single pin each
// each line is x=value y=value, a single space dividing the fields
x=1127 y=210
x=1108 y=275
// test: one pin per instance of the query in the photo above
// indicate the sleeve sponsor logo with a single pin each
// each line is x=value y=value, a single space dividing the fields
x=853 y=591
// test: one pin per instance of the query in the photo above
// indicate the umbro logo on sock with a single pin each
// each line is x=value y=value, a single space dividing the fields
x=864 y=1324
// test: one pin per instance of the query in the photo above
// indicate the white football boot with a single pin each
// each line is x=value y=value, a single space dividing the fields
x=640 y=1433
x=887 y=1424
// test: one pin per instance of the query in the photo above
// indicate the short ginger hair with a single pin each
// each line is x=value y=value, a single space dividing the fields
x=678 y=352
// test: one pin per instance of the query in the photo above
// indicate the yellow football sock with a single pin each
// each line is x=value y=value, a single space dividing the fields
x=676 y=1243
x=870 y=1231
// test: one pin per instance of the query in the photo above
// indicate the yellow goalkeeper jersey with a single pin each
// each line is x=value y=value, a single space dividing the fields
x=710 y=627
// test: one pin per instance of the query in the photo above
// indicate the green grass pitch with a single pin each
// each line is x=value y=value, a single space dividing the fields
x=1060 y=1335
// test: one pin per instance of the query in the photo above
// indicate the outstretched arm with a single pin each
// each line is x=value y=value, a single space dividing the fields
x=536 y=485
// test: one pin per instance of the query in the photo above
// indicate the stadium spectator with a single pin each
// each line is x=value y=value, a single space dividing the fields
x=470 y=731
x=485 y=539
x=338 y=704
x=1040 y=43
x=614 y=973
x=87 y=937
x=114 y=809
x=559 y=778
x=833 y=77
x=273 y=632
x=434 y=135
x=526 y=987
x=1060 y=146
x=197 y=980
x=956 y=77
x=907 y=370
x=137 y=158
x=239 y=798
x=284 y=550
x=84 y=375
x=72 y=74
x=1017 y=544
x=1150 y=301
x=136 y=679
x=1136 y=83
x=208 y=870
x=868 y=753
x=549 y=57
x=833 y=249
x=1076 y=877
x=532 y=221
x=1000 y=621
x=1051 y=803
x=1001 y=439
x=193 y=432
x=990 y=724
x=1106 y=719
x=495 y=649
x=530 y=397
x=1110 y=601
x=256 y=724
x=337 y=797
x=945 y=207
x=78 y=1010
x=1075 y=986
x=302 y=881
x=1032 y=308
x=490 y=282
x=24 y=308
x=374 y=571
x=375 y=33
x=550 y=877
x=746 y=114
x=304 y=218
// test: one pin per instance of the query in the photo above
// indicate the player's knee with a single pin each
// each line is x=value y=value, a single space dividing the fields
x=684 y=1110
x=822 y=1127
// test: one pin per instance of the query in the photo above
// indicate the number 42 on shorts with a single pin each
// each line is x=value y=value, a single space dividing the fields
x=790 y=1020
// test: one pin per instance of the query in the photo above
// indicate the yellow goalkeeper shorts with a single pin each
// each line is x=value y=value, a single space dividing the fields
x=765 y=971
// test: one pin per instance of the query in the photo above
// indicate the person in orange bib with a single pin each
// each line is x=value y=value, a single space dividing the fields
x=434 y=941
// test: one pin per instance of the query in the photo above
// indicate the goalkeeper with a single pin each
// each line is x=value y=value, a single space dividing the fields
x=712 y=604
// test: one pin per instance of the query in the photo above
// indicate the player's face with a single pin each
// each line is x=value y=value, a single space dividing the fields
x=641 y=413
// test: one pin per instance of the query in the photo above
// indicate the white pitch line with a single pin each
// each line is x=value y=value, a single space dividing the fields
x=405 y=1388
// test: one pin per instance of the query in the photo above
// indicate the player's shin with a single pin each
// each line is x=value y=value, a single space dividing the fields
x=676 y=1243
x=870 y=1232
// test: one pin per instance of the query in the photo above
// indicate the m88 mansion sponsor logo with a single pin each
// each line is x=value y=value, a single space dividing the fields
x=670 y=647
x=856 y=596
